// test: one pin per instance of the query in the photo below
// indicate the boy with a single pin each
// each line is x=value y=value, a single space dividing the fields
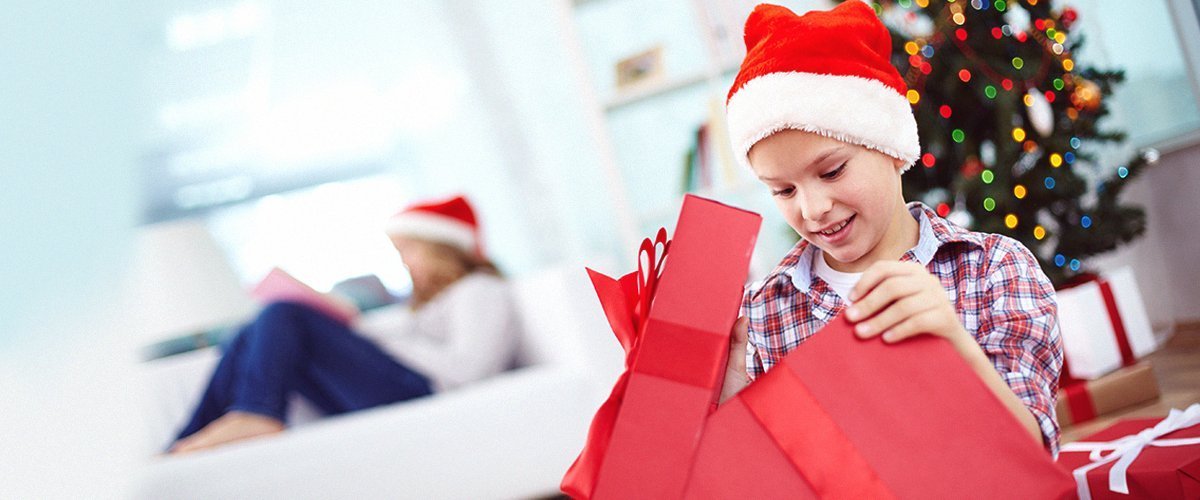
x=820 y=115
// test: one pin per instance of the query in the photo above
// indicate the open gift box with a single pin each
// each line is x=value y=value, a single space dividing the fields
x=840 y=417
x=642 y=440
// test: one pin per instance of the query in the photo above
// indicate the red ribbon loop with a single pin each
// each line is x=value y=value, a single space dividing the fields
x=626 y=303
x=650 y=265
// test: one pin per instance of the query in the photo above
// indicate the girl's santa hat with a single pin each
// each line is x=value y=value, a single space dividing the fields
x=450 y=221
x=825 y=72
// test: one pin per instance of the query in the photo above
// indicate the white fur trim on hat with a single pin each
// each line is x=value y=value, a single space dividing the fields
x=851 y=109
x=434 y=228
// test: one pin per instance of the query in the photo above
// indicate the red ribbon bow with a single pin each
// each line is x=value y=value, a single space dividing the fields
x=626 y=302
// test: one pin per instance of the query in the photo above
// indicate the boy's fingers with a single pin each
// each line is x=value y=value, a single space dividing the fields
x=914 y=325
x=741 y=332
x=883 y=294
x=736 y=377
x=895 y=314
x=876 y=274
x=737 y=345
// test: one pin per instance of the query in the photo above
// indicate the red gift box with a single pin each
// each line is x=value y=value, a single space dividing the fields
x=642 y=440
x=1084 y=400
x=842 y=417
x=1139 y=459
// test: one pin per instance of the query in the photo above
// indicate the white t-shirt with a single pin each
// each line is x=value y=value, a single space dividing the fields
x=840 y=282
x=468 y=332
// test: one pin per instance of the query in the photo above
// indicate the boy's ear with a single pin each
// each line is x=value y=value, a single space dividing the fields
x=898 y=163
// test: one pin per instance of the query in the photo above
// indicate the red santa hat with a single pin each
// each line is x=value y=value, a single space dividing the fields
x=449 y=221
x=825 y=72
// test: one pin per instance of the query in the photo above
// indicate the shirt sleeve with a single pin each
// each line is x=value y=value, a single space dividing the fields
x=1019 y=333
x=388 y=321
x=477 y=333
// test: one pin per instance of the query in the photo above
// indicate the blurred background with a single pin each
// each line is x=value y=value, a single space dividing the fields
x=158 y=158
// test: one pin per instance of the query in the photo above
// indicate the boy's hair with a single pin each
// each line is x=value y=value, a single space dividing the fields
x=825 y=72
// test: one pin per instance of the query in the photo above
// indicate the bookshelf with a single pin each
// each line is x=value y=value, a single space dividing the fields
x=646 y=115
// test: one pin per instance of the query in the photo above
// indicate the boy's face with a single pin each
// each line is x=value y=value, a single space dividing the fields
x=843 y=198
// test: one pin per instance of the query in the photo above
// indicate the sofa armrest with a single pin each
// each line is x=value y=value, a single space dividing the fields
x=511 y=436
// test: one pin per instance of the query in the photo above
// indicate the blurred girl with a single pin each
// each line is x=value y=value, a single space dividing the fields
x=459 y=326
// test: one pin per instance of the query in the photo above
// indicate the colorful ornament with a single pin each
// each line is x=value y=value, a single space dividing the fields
x=907 y=22
x=959 y=214
x=1151 y=155
x=960 y=217
x=936 y=196
x=1068 y=17
x=971 y=167
x=1026 y=162
x=987 y=152
x=1086 y=96
x=1018 y=18
x=1041 y=116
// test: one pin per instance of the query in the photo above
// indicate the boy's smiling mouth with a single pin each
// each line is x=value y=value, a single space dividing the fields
x=837 y=231
x=836 y=227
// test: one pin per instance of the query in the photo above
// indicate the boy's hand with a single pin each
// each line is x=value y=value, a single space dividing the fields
x=902 y=299
x=736 y=377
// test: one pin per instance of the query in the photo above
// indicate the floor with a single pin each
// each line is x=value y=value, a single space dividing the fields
x=1177 y=367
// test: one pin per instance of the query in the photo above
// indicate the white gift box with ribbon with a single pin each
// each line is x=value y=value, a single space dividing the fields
x=1089 y=332
x=1125 y=450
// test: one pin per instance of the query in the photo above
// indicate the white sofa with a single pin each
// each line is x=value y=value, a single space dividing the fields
x=512 y=436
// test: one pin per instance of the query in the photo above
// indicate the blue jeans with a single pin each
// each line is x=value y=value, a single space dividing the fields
x=290 y=347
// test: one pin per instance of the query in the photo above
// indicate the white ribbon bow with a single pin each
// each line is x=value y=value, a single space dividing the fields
x=1125 y=450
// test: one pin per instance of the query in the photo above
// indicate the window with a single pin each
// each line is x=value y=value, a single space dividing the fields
x=1157 y=102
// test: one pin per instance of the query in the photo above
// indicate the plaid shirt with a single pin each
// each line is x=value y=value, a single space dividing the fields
x=1000 y=292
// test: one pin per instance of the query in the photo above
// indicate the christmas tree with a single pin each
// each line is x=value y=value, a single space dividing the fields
x=1008 y=120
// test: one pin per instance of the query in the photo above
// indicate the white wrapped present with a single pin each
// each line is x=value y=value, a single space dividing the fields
x=1104 y=325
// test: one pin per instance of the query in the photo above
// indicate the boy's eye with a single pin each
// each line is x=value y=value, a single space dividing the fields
x=832 y=174
x=783 y=192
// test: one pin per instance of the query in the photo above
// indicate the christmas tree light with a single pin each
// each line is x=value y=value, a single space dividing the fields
x=1006 y=113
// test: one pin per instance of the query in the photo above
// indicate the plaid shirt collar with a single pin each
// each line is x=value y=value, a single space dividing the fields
x=934 y=233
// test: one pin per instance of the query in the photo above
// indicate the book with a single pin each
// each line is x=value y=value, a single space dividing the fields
x=279 y=286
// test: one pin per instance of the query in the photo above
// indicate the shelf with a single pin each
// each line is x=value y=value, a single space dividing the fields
x=653 y=89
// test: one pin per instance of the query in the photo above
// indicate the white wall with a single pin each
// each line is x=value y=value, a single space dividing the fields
x=1166 y=258
x=67 y=204
x=1174 y=187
